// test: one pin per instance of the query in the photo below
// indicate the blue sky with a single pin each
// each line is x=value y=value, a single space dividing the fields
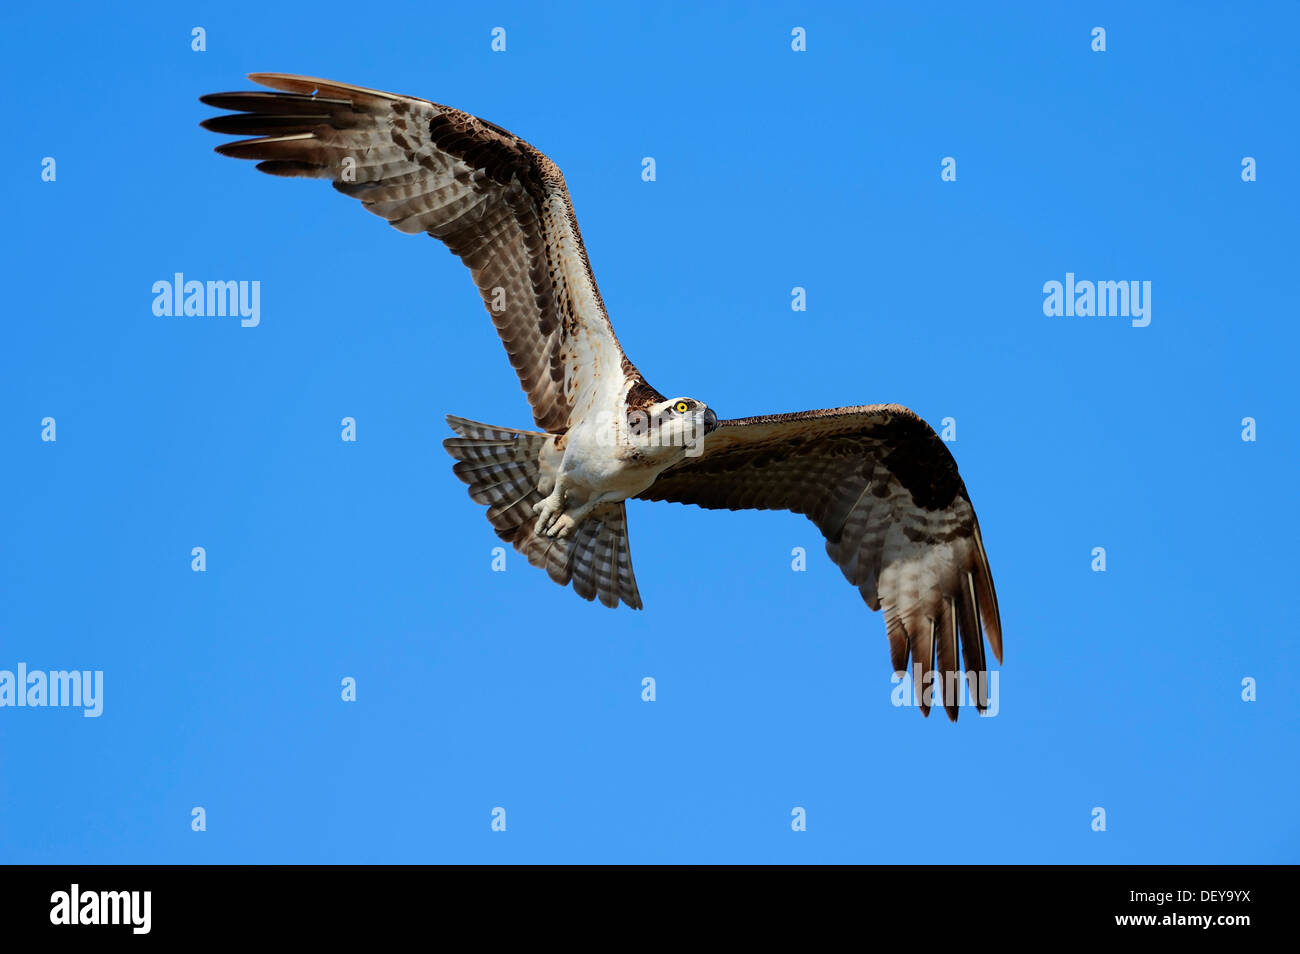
x=775 y=169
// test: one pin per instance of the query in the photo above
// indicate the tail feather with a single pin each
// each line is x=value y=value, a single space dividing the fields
x=501 y=467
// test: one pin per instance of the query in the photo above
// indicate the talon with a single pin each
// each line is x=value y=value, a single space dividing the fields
x=548 y=509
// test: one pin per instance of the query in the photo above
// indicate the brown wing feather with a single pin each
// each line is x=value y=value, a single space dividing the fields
x=885 y=492
x=497 y=203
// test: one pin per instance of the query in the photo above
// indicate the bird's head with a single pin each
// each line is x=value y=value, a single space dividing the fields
x=679 y=424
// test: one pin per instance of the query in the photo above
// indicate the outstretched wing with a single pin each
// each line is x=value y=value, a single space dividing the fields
x=885 y=492
x=497 y=203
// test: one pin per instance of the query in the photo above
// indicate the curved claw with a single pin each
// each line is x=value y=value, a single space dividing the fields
x=562 y=526
x=547 y=509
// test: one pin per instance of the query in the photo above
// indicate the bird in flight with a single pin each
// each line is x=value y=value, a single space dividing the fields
x=876 y=480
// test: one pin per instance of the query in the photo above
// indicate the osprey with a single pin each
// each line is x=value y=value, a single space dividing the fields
x=876 y=480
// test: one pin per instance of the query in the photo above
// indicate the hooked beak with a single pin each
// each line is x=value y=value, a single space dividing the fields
x=710 y=421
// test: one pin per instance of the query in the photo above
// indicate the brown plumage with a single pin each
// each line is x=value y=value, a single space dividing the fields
x=884 y=491
x=875 y=480
x=500 y=205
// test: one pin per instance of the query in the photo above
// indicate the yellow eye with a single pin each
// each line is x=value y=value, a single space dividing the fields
x=681 y=407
